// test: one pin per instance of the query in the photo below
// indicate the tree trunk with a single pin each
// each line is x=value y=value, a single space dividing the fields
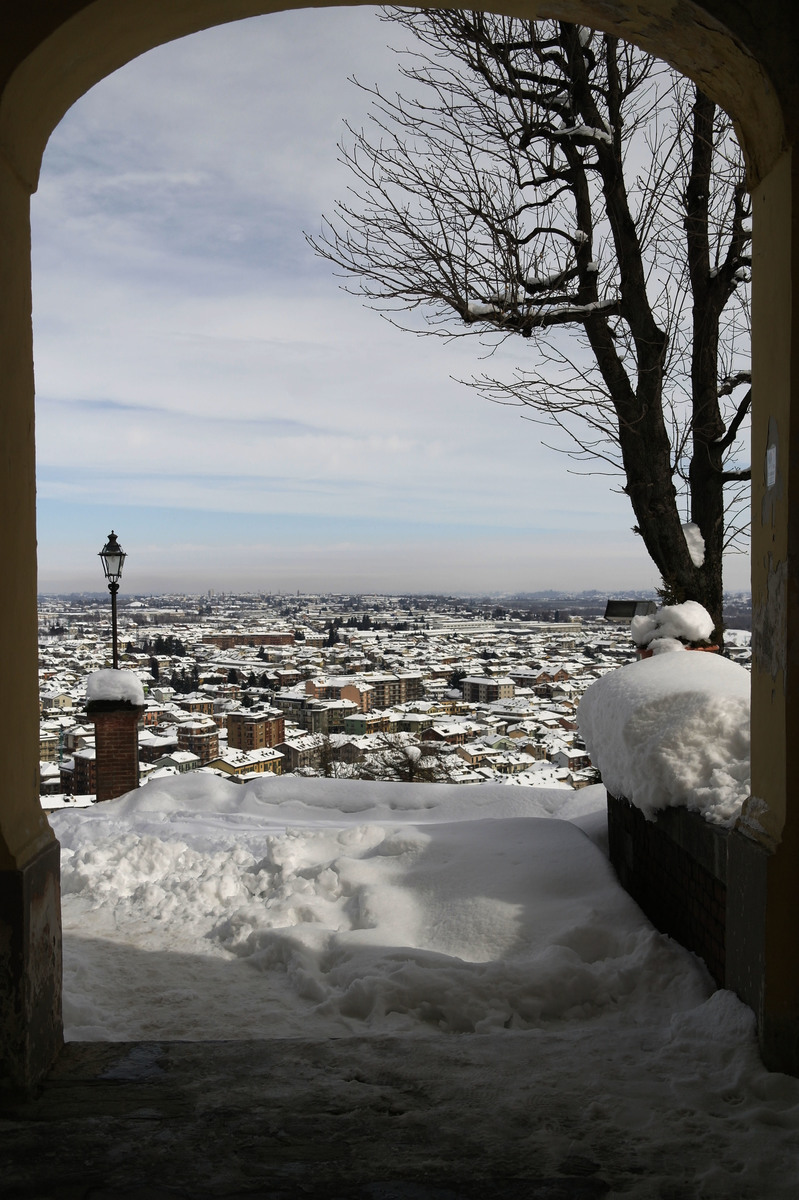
x=503 y=204
x=706 y=479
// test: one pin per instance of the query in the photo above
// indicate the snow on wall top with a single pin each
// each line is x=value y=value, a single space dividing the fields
x=115 y=685
x=672 y=731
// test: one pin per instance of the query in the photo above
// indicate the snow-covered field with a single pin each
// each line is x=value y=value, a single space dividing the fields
x=198 y=909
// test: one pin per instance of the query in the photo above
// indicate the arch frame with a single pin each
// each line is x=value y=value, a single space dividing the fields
x=743 y=56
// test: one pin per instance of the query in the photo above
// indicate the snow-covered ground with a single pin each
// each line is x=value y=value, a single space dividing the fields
x=199 y=909
x=290 y=906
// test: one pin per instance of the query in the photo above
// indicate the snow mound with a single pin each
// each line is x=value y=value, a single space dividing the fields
x=671 y=731
x=346 y=927
x=501 y=952
x=115 y=685
x=196 y=796
x=689 y=622
x=665 y=645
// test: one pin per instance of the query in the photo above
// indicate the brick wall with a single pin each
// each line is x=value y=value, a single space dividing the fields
x=117 y=746
x=675 y=868
x=703 y=885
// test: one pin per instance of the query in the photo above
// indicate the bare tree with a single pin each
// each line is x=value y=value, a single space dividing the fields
x=402 y=759
x=548 y=181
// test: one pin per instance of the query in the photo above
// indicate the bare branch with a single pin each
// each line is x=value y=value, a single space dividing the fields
x=547 y=181
x=735 y=424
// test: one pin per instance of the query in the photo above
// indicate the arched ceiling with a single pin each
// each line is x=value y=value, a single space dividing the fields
x=53 y=55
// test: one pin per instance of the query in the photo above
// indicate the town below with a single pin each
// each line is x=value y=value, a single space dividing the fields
x=370 y=687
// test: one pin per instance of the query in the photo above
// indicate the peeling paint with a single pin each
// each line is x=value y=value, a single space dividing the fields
x=750 y=825
x=773 y=482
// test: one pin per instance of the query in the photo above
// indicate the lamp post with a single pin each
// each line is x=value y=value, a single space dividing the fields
x=113 y=556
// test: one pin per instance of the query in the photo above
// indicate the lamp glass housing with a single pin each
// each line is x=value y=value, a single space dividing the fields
x=112 y=557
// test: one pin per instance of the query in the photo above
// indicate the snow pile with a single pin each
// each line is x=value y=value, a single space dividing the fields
x=115 y=685
x=672 y=731
x=688 y=622
x=665 y=645
x=196 y=908
x=274 y=801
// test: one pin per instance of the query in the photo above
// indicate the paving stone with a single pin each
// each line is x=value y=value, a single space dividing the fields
x=344 y=1119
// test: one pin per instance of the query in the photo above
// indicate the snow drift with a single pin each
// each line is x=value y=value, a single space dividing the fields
x=347 y=907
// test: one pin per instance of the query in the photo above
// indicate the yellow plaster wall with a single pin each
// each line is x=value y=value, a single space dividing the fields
x=775 y=595
x=773 y=336
x=23 y=827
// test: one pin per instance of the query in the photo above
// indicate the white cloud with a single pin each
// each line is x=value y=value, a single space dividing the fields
x=193 y=354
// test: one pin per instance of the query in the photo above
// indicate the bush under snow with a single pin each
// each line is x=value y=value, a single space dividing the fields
x=688 y=622
x=672 y=731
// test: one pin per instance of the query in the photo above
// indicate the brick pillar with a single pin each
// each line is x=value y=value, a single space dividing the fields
x=117 y=746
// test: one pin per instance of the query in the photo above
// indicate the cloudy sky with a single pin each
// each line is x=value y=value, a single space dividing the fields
x=206 y=387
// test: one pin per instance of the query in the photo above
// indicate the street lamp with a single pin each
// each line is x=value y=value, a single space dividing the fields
x=113 y=556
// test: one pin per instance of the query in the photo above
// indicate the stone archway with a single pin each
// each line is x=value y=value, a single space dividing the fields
x=48 y=59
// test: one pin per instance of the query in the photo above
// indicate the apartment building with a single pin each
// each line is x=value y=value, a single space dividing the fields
x=181 y=761
x=194 y=703
x=227 y=641
x=153 y=746
x=254 y=730
x=315 y=716
x=483 y=689
x=48 y=746
x=388 y=690
x=342 y=688
x=201 y=738
x=84 y=772
x=301 y=750
x=362 y=723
